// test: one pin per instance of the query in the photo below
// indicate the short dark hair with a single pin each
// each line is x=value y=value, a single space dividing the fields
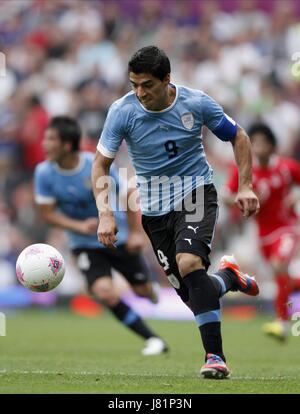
x=150 y=59
x=68 y=130
x=263 y=129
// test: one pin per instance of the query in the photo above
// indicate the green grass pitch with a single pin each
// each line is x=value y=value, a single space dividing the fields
x=59 y=352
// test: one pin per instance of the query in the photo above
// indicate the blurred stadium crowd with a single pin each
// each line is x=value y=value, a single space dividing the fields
x=70 y=57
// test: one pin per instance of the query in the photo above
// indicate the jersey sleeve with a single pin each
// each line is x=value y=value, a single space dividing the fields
x=43 y=190
x=220 y=124
x=112 y=134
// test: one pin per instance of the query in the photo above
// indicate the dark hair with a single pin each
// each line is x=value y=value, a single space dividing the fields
x=150 y=59
x=68 y=130
x=264 y=130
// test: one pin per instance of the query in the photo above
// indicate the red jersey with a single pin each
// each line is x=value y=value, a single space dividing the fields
x=32 y=135
x=272 y=185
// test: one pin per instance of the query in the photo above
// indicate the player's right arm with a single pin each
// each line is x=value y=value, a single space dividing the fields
x=51 y=216
x=109 y=143
x=46 y=202
x=107 y=228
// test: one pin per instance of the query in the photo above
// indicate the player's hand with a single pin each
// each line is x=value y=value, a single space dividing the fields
x=135 y=242
x=88 y=226
x=107 y=230
x=247 y=201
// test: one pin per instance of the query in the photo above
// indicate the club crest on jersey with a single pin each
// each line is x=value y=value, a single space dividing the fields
x=188 y=120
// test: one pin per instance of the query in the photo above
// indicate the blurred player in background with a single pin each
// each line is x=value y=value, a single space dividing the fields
x=161 y=123
x=63 y=193
x=273 y=179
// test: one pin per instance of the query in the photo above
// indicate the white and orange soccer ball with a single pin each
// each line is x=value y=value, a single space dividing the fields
x=40 y=267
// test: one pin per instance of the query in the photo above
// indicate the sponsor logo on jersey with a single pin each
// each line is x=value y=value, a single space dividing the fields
x=194 y=229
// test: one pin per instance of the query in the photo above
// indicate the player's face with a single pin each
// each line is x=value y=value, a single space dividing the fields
x=150 y=91
x=262 y=149
x=53 y=147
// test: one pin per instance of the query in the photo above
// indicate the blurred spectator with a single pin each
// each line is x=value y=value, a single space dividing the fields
x=32 y=132
x=92 y=108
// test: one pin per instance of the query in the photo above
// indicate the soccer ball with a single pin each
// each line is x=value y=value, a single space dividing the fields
x=40 y=267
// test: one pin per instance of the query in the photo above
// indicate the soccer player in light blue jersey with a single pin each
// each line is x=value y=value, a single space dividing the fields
x=63 y=193
x=161 y=123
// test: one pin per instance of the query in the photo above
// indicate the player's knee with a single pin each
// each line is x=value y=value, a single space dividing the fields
x=188 y=263
x=278 y=267
x=105 y=293
x=143 y=290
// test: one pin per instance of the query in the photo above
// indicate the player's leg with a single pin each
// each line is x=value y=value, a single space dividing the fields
x=163 y=246
x=204 y=293
x=135 y=271
x=171 y=234
x=205 y=305
x=193 y=241
x=103 y=289
x=96 y=266
x=147 y=290
x=284 y=287
x=280 y=254
x=295 y=280
x=279 y=328
x=200 y=292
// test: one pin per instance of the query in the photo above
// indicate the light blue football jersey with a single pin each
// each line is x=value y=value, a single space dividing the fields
x=166 y=146
x=73 y=195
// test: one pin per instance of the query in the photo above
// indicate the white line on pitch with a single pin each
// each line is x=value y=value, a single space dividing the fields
x=41 y=372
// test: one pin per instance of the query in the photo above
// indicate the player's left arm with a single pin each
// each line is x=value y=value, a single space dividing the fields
x=246 y=200
x=226 y=129
x=230 y=189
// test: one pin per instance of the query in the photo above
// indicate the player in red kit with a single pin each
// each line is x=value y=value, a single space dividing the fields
x=273 y=178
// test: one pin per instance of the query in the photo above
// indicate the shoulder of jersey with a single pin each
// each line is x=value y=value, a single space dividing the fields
x=127 y=99
x=88 y=155
x=44 y=166
x=285 y=160
x=185 y=90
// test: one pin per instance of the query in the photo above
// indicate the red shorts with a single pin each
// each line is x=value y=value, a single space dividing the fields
x=280 y=244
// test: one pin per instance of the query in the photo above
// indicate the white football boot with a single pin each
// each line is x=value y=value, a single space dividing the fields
x=154 y=346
